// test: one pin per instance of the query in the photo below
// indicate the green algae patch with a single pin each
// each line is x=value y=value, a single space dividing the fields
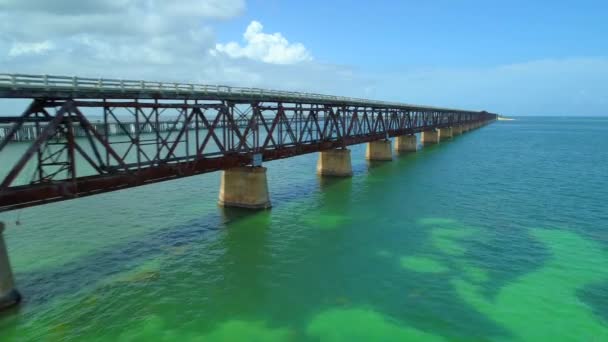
x=237 y=330
x=327 y=221
x=449 y=239
x=475 y=274
x=155 y=329
x=448 y=235
x=147 y=271
x=543 y=305
x=362 y=325
x=422 y=264
x=449 y=246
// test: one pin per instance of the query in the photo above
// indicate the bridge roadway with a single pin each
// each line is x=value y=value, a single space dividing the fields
x=210 y=128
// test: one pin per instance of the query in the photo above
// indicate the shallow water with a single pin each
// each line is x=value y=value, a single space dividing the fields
x=499 y=234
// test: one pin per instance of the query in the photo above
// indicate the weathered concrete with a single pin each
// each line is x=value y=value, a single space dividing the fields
x=244 y=187
x=457 y=130
x=9 y=296
x=335 y=163
x=445 y=133
x=406 y=143
x=430 y=137
x=379 y=150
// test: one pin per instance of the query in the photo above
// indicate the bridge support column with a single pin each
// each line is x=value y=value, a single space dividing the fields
x=457 y=130
x=445 y=133
x=335 y=163
x=406 y=143
x=9 y=296
x=379 y=150
x=430 y=137
x=244 y=187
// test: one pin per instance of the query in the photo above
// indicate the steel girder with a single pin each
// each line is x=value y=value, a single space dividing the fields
x=124 y=146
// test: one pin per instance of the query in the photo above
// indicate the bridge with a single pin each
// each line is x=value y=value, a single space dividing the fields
x=78 y=137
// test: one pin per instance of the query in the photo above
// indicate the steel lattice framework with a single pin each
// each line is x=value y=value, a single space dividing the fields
x=211 y=130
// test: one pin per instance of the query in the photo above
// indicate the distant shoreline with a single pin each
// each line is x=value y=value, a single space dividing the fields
x=505 y=119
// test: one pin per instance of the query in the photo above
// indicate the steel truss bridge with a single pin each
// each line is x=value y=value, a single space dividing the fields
x=74 y=152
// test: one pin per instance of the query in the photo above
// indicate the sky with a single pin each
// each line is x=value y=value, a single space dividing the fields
x=510 y=57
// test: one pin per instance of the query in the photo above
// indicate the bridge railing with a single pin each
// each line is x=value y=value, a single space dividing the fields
x=103 y=85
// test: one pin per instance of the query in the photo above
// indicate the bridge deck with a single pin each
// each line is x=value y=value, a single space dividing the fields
x=210 y=128
x=65 y=87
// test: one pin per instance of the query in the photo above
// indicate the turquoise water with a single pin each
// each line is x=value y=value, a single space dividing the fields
x=499 y=234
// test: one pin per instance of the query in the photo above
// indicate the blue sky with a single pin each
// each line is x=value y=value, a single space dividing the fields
x=511 y=57
x=404 y=34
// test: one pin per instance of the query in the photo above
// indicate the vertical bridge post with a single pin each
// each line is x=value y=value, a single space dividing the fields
x=244 y=187
x=335 y=162
x=430 y=137
x=406 y=143
x=457 y=130
x=9 y=296
x=445 y=133
x=379 y=150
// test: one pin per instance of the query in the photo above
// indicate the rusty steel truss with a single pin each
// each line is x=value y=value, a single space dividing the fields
x=207 y=135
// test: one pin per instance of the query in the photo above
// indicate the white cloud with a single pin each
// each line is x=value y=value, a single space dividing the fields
x=269 y=48
x=63 y=7
x=36 y=48
x=156 y=40
x=113 y=35
x=26 y=19
x=200 y=8
x=172 y=41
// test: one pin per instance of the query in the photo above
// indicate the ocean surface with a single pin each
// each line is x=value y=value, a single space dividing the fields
x=500 y=234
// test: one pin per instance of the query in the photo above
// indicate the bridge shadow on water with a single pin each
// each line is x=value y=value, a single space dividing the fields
x=83 y=292
x=42 y=286
x=92 y=271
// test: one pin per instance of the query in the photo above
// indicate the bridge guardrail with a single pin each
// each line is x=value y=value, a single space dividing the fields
x=104 y=85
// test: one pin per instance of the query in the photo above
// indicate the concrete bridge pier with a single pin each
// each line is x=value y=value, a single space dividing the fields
x=406 y=143
x=430 y=137
x=379 y=150
x=335 y=163
x=457 y=130
x=445 y=133
x=244 y=187
x=9 y=296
